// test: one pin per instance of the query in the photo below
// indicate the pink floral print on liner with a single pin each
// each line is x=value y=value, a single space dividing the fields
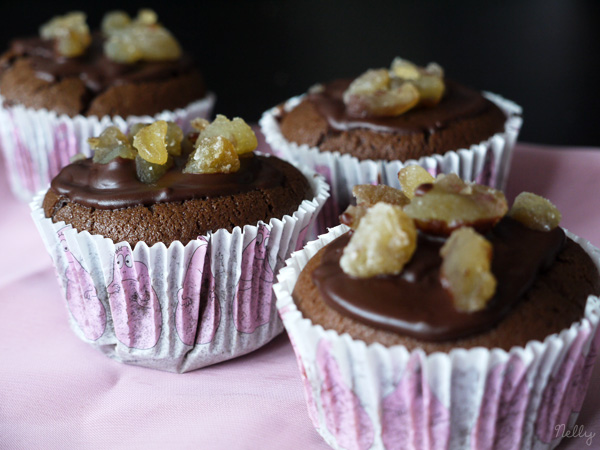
x=412 y=416
x=345 y=417
x=254 y=293
x=198 y=311
x=82 y=298
x=134 y=305
x=565 y=391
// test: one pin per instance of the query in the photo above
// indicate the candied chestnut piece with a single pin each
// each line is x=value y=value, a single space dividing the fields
x=449 y=203
x=215 y=154
x=411 y=177
x=535 y=212
x=111 y=144
x=383 y=243
x=368 y=195
x=139 y=39
x=71 y=33
x=466 y=269
x=150 y=143
x=236 y=131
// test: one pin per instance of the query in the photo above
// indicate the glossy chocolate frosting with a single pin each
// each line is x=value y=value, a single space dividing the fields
x=414 y=303
x=115 y=185
x=459 y=102
x=94 y=68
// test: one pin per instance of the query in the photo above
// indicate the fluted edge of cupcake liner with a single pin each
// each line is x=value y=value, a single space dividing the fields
x=363 y=396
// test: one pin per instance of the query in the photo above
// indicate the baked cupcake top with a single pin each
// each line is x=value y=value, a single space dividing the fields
x=404 y=112
x=155 y=185
x=445 y=261
x=70 y=70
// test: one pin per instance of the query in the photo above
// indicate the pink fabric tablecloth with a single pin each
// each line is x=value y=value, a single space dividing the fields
x=57 y=392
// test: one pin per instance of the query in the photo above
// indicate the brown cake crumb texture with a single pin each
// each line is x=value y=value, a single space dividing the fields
x=185 y=221
x=19 y=84
x=304 y=125
x=555 y=301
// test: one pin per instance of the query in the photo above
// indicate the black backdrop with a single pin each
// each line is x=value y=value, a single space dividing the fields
x=543 y=54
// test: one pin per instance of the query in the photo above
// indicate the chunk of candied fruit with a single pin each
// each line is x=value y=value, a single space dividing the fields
x=370 y=82
x=429 y=81
x=449 y=203
x=148 y=172
x=70 y=32
x=404 y=69
x=146 y=16
x=353 y=215
x=371 y=95
x=368 y=195
x=113 y=21
x=199 y=124
x=140 y=39
x=150 y=142
x=411 y=177
x=214 y=154
x=466 y=269
x=535 y=212
x=111 y=144
x=386 y=93
x=173 y=139
x=431 y=89
x=236 y=131
x=383 y=243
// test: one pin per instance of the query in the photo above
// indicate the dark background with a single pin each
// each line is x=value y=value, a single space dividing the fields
x=542 y=54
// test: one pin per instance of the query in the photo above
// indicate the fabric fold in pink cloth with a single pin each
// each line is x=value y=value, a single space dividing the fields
x=58 y=392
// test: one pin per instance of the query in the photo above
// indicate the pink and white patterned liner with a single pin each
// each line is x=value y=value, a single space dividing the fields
x=486 y=163
x=178 y=308
x=374 y=397
x=37 y=143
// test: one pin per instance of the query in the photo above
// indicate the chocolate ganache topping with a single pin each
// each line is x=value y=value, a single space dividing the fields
x=115 y=185
x=415 y=303
x=94 y=68
x=458 y=102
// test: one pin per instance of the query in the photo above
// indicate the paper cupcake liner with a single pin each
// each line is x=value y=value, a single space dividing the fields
x=182 y=307
x=37 y=143
x=363 y=396
x=486 y=163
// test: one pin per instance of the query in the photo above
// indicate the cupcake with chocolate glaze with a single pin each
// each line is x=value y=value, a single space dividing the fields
x=68 y=84
x=363 y=131
x=167 y=246
x=443 y=318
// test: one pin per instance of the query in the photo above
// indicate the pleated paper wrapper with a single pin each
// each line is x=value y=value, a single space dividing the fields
x=178 y=308
x=486 y=163
x=37 y=143
x=375 y=397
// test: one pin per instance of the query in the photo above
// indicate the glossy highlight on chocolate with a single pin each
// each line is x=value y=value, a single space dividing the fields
x=416 y=304
x=115 y=185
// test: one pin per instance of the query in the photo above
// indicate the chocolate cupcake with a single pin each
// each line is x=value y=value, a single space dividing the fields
x=461 y=327
x=167 y=247
x=68 y=84
x=363 y=131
